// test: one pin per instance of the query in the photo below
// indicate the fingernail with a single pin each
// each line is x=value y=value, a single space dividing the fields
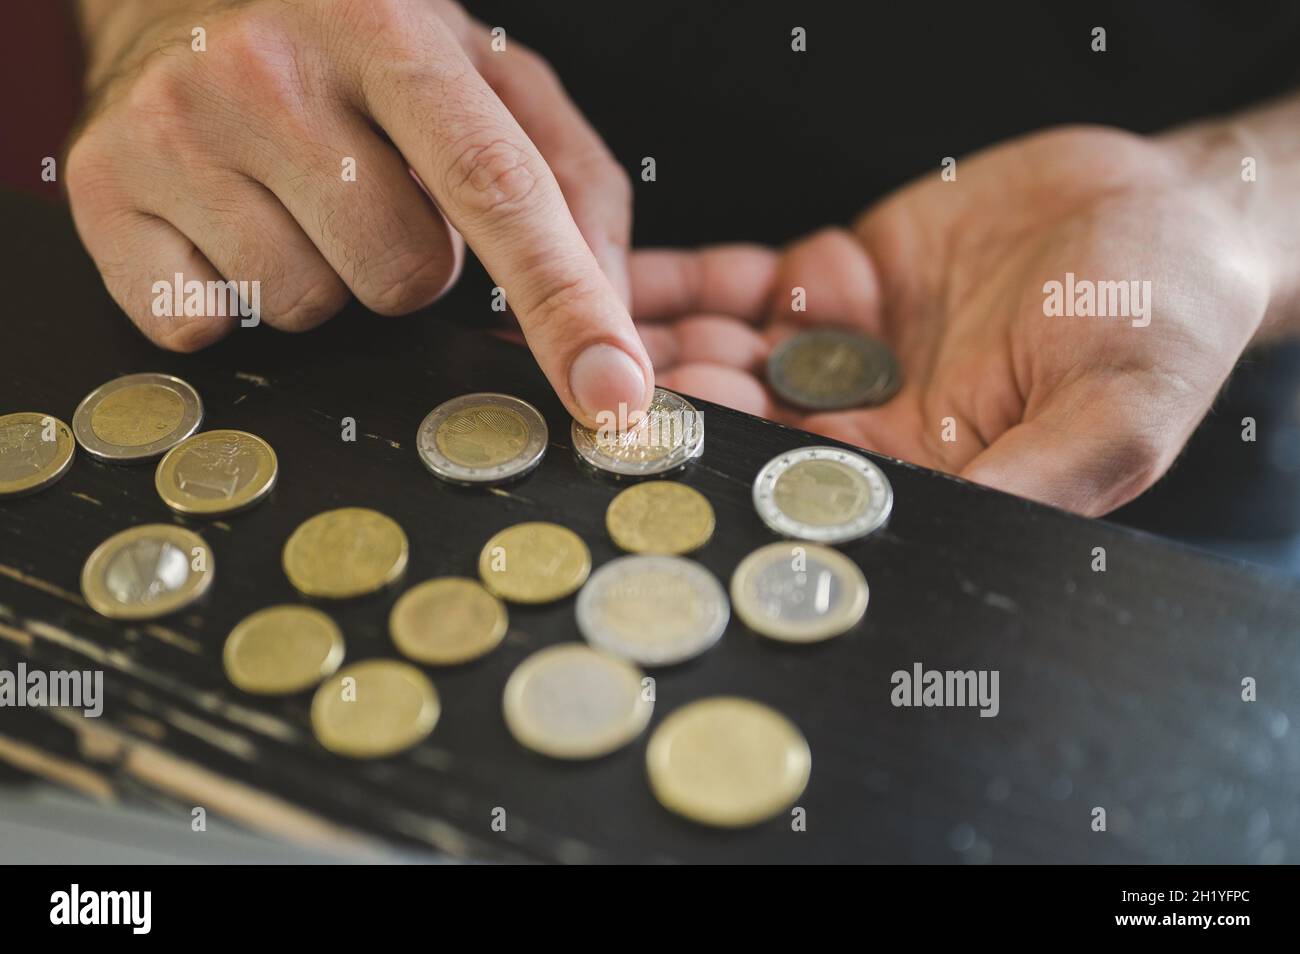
x=603 y=377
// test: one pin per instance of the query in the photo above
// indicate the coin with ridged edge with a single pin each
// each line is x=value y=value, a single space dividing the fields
x=661 y=517
x=668 y=436
x=281 y=650
x=374 y=708
x=534 y=562
x=482 y=439
x=799 y=592
x=727 y=762
x=831 y=369
x=446 y=621
x=823 y=494
x=146 y=572
x=137 y=418
x=344 y=553
x=36 y=450
x=216 y=472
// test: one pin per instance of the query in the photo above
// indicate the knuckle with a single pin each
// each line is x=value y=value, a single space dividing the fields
x=552 y=316
x=263 y=67
x=492 y=178
x=408 y=281
x=318 y=299
x=185 y=337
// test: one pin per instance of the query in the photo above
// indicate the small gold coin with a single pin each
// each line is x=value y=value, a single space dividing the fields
x=534 y=563
x=281 y=650
x=137 y=417
x=216 y=472
x=573 y=702
x=660 y=517
x=35 y=451
x=727 y=762
x=344 y=553
x=374 y=708
x=446 y=621
x=147 y=572
x=799 y=593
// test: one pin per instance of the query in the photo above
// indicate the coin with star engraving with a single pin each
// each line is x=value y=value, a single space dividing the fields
x=136 y=418
x=374 y=708
x=446 y=621
x=344 y=553
x=534 y=562
x=482 y=439
x=35 y=451
x=216 y=472
x=146 y=572
x=727 y=762
x=573 y=702
x=281 y=650
x=660 y=516
x=668 y=436
x=830 y=369
x=799 y=592
x=823 y=494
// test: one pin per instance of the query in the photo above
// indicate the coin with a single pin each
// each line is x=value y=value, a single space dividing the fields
x=572 y=702
x=822 y=494
x=482 y=439
x=216 y=472
x=343 y=553
x=660 y=516
x=727 y=762
x=830 y=369
x=147 y=572
x=653 y=610
x=667 y=437
x=35 y=451
x=447 y=620
x=798 y=593
x=374 y=708
x=281 y=650
x=534 y=563
x=137 y=417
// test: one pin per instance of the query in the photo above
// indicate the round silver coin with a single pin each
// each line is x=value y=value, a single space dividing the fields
x=799 y=593
x=829 y=369
x=669 y=436
x=482 y=439
x=653 y=610
x=137 y=418
x=823 y=494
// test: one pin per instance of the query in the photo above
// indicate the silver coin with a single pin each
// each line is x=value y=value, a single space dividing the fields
x=668 y=436
x=482 y=439
x=799 y=593
x=653 y=610
x=137 y=418
x=829 y=369
x=823 y=494
x=146 y=572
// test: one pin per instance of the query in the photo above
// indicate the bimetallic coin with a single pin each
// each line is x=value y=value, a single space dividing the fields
x=823 y=494
x=660 y=516
x=534 y=563
x=482 y=439
x=281 y=650
x=448 y=620
x=147 y=572
x=35 y=451
x=137 y=418
x=727 y=762
x=344 y=553
x=798 y=593
x=830 y=369
x=216 y=472
x=374 y=708
x=572 y=702
x=668 y=436
x=653 y=610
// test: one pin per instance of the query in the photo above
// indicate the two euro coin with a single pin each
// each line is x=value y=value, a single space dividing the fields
x=822 y=494
x=482 y=439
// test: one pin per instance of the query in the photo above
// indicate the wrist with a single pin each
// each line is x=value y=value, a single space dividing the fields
x=110 y=27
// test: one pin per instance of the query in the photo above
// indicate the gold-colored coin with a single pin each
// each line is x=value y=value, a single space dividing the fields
x=35 y=451
x=727 y=762
x=216 y=472
x=534 y=563
x=281 y=650
x=482 y=439
x=137 y=417
x=374 y=708
x=147 y=572
x=660 y=517
x=343 y=553
x=446 y=621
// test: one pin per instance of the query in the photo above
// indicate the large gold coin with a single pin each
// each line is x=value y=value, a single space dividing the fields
x=660 y=517
x=347 y=552
x=534 y=563
x=374 y=708
x=35 y=451
x=282 y=650
x=137 y=417
x=446 y=621
x=727 y=762
x=216 y=472
x=147 y=572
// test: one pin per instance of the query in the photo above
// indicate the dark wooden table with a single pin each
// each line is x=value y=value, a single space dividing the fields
x=1119 y=689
